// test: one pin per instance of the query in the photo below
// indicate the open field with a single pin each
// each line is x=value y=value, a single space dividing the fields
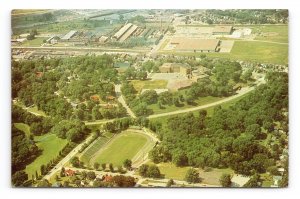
x=23 y=127
x=212 y=176
x=147 y=84
x=50 y=145
x=125 y=146
x=172 y=172
x=276 y=33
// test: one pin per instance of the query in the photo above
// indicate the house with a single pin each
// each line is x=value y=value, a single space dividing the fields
x=69 y=172
x=239 y=180
x=110 y=97
x=107 y=178
x=95 y=98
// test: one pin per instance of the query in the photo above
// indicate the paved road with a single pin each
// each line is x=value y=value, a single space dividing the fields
x=122 y=100
x=242 y=92
x=141 y=179
x=71 y=48
x=65 y=159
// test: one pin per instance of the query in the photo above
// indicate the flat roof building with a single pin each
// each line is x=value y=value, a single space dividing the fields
x=194 y=44
x=222 y=30
x=69 y=35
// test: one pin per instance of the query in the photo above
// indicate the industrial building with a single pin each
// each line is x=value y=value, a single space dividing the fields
x=122 y=31
x=222 y=30
x=125 y=32
x=194 y=44
x=69 y=35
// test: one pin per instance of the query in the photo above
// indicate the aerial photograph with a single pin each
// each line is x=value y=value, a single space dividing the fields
x=149 y=98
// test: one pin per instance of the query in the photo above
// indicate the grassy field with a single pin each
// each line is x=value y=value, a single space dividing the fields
x=50 y=145
x=213 y=175
x=198 y=102
x=125 y=146
x=275 y=33
x=35 y=42
x=169 y=170
x=23 y=127
x=147 y=84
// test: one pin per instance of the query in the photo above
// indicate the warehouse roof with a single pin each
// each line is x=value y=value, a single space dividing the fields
x=195 y=44
x=122 y=30
x=69 y=34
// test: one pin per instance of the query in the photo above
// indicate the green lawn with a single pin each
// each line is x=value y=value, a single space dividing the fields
x=125 y=146
x=276 y=33
x=50 y=145
x=148 y=84
x=172 y=171
x=23 y=127
x=35 y=42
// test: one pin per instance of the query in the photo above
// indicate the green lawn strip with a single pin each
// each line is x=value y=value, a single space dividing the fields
x=50 y=145
x=23 y=127
x=125 y=146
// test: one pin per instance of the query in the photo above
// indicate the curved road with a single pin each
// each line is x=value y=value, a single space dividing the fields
x=242 y=92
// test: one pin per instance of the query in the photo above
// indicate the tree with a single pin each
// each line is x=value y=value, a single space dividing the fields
x=180 y=159
x=96 y=165
x=192 y=176
x=91 y=175
x=75 y=162
x=153 y=171
x=170 y=183
x=111 y=167
x=254 y=181
x=143 y=170
x=19 y=178
x=127 y=164
x=62 y=172
x=103 y=165
x=225 y=180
